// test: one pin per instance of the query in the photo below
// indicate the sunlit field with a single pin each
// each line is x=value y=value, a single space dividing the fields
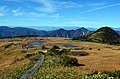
x=14 y=59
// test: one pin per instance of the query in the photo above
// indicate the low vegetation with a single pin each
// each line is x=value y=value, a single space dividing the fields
x=97 y=62
x=69 y=61
x=8 y=45
x=55 y=50
x=15 y=70
x=103 y=75
x=64 y=59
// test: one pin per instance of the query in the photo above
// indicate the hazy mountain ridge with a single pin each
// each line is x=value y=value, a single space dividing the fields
x=21 y=31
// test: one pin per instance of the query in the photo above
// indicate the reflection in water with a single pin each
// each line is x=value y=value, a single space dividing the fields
x=11 y=40
x=35 y=43
x=80 y=53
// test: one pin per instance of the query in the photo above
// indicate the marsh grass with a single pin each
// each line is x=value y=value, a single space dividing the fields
x=105 y=59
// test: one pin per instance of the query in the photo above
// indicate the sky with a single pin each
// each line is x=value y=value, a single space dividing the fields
x=59 y=13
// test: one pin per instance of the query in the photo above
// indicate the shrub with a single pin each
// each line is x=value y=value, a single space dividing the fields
x=64 y=51
x=23 y=51
x=56 y=47
x=68 y=61
x=43 y=47
x=53 y=51
x=90 y=48
x=56 y=51
x=29 y=55
x=8 y=45
x=40 y=52
x=98 y=49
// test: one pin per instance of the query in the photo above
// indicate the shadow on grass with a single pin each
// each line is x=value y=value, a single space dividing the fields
x=79 y=65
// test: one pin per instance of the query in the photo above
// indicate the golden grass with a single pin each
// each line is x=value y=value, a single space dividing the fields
x=107 y=58
x=104 y=59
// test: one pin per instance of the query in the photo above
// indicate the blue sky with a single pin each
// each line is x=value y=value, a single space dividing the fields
x=80 y=13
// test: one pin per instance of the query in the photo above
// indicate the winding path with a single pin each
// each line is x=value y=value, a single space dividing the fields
x=34 y=68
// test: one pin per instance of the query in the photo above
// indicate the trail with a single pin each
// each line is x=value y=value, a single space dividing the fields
x=33 y=69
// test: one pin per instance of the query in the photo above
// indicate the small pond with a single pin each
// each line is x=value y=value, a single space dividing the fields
x=65 y=45
x=11 y=40
x=50 y=45
x=80 y=53
x=69 y=46
x=60 y=45
x=35 y=43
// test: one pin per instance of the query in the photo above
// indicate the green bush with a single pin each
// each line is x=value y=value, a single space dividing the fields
x=7 y=46
x=68 y=61
x=90 y=48
x=53 y=51
x=56 y=47
x=40 y=52
x=64 y=51
x=98 y=49
x=29 y=55
x=56 y=51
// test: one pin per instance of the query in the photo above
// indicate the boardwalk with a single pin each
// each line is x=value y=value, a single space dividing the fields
x=33 y=69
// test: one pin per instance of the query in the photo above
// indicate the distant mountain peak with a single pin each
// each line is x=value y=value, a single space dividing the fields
x=83 y=28
x=62 y=29
x=105 y=35
x=4 y=27
x=106 y=28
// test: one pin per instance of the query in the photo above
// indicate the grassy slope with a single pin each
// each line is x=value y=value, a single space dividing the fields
x=105 y=35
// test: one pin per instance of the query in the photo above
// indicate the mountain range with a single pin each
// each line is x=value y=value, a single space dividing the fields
x=6 y=31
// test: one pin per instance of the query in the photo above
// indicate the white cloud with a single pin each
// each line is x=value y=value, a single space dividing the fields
x=17 y=12
x=36 y=14
x=56 y=16
x=48 y=6
x=51 y=6
x=99 y=8
x=68 y=4
x=2 y=10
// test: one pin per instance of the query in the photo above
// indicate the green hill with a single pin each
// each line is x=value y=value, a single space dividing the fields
x=105 y=35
